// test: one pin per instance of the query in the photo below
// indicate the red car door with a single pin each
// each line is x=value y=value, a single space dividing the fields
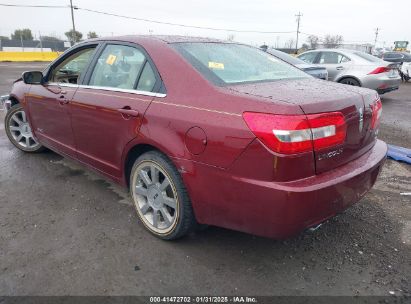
x=49 y=103
x=108 y=110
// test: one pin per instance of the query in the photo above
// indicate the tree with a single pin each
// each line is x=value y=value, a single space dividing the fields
x=4 y=38
x=91 y=35
x=313 y=41
x=289 y=44
x=24 y=34
x=230 y=37
x=333 y=41
x=73 y=36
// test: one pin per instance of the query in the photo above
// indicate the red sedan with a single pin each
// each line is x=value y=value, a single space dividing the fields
x=204 y=132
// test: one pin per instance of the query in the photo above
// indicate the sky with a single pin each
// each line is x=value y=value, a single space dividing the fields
x=355 y=20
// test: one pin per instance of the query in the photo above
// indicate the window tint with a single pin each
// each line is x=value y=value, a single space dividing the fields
x=118 y=66
x=147 y=79
x=308 y=57
x=332 y=58
x=71 y=69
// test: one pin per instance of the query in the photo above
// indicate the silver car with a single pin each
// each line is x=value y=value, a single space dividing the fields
x=356 y=68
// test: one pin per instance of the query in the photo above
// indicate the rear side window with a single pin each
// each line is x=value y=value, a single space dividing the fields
x=332 y=58
x=120 y=66
x=147 y=79
x=308 y=57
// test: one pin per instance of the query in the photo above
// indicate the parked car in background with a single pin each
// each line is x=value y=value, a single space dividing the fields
x=396 y=57
x=313 y=70
x=356 y=68
x=406 y=71
x=204 y=131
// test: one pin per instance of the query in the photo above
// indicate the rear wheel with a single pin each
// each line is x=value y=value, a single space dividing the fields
x=19 y=132
x=160 y=197
x=350 y=81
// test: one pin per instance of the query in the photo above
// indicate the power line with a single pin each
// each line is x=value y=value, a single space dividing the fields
x=28 y=5
x=151 y=20
x=184 y=25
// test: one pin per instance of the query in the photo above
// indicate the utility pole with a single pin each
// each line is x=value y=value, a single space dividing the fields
x=41 y=43
x=72 y=19
x=376 y=36
x=298 y=30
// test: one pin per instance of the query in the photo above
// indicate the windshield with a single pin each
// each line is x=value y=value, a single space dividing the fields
x=368 y=57
x=227 y=63
x=401 y=44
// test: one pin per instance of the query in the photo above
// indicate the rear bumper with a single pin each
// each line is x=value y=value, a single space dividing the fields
x=280 y=210
x=381 y=83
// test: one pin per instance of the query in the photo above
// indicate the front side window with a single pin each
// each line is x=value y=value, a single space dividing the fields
x=73 y=67
x=229 y=63
x=118 y=66
x=332 y=58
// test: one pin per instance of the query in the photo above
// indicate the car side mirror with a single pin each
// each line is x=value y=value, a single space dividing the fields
x=33 y=77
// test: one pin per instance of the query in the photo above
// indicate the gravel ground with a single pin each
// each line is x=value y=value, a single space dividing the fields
x=67 y=231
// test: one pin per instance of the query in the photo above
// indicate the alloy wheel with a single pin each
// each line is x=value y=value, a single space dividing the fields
x=20 y=131
x=155 y=197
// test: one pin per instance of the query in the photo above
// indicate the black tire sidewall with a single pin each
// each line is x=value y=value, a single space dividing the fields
x=357 y=83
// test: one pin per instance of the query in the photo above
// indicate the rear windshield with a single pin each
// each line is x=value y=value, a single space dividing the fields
x=286 y=57
x=229 y=63
x=368 y=57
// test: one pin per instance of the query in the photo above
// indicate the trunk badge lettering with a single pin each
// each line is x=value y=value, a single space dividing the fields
x=331 y=154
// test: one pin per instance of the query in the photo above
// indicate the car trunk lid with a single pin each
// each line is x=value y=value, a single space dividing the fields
x=315 y=96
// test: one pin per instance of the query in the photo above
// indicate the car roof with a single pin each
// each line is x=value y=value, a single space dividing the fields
x=335 y=50
x=162 y=38
x=401 y=53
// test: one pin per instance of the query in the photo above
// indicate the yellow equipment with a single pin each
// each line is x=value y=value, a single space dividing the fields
x=401 y=46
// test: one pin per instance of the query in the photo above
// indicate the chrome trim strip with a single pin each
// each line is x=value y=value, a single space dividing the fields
x=145 y=93
x=195 y=108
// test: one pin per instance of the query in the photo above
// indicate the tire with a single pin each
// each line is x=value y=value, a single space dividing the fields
x=350 y=81
x=19 y=132
x=162 y=203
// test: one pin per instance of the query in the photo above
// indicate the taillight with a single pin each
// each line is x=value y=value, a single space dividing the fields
x=290 y=134
x=379 y=70
x=376 y=108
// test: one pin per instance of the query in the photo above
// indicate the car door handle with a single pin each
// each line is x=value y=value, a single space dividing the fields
x=339 y=68
x=127 y=111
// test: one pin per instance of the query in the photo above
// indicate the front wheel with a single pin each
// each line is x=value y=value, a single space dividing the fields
x=160 y=197
x=19 y=132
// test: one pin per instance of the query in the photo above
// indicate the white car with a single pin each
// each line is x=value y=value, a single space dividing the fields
x=406 y=70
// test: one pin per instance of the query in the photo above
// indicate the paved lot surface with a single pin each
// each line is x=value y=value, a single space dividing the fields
x=67 y=231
